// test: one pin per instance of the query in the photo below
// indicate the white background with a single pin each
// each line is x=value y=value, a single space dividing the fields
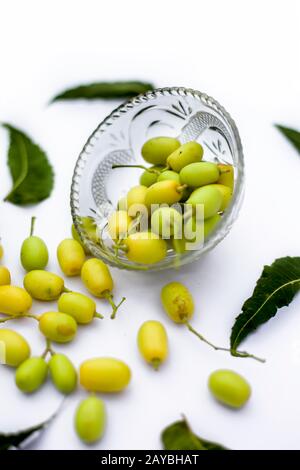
x=246 y=55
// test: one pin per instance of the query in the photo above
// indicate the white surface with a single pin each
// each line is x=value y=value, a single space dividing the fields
x=246 y=55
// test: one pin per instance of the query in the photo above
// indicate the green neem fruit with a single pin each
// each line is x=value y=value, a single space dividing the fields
x=191 y=152
x=229 y=388
x=157 y=150
x=226 y=175
x=148 y=178
x=34 y=252
x=63 y=373
x=15 y=350
x=166 y=222
x=226 y=195
x=43 y=285
x=90 y=419
x=177 y=301
x=57 y=326
x=145 y=248
x=210 y=224
x=200 y=229
x=199 y=174
x=71 y=257
x=79 y=306
x=31 y=374
x=163 y=192
x=169 y=175
x=209 y=197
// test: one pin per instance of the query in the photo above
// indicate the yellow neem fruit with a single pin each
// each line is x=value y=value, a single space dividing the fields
x=14 y=300
x=5 y=278
x=71 y=257
x=15 y=350
x=145 y=248
x=43 y=285
x=153 y=342
x=177 y=302
x=226 y=192
x=96 y=277
x=104 y=375
x=118 y=224
x=1 y=252
x=163 y=192
x=58 y=327
x=136 y=195
x=226 y=175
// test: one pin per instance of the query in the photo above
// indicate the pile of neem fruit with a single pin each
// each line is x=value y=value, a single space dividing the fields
x=161 y=212
x=177 y=175
x=96 y=375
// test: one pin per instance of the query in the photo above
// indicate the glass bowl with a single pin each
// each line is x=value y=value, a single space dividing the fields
x=178 y=112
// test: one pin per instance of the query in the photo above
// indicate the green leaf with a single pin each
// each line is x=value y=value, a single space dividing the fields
x=291 y=134
x=30 y=169
x=179 y=436
x=21 y=438
x=105 y=90
x=276 y=288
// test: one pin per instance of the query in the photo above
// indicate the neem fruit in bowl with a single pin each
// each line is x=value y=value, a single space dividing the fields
x=159 y=182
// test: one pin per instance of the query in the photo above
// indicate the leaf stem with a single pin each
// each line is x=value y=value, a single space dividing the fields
x=98 y=315
x=48 y=349
x=33 y=219
x=30 y=315
x=150 y=170
x=181 y=188
x=16 y=317
x=109 y=297
x=3 y=320
x=66 y=290
x=156 y=363
x=218 y=348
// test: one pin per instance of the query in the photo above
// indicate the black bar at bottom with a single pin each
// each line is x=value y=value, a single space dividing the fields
x=131 y=459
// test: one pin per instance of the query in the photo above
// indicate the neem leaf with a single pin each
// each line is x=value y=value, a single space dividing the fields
x=179 y=436
x=276 y=288
x=291 y=134
x=105 y=90
x=30 y=169
x=24 y=437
